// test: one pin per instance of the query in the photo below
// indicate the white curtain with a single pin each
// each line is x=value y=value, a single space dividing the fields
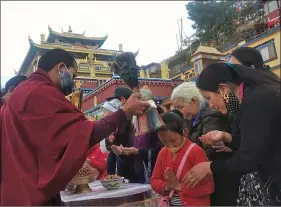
x=103 y=147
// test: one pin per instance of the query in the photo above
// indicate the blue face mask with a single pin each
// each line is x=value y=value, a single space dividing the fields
x=66 y=82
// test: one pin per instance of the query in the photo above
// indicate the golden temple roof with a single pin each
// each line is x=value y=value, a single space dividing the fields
x=70 y=34
x=208 y=50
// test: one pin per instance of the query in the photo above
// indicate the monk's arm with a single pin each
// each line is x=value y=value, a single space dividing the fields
x=105 y=126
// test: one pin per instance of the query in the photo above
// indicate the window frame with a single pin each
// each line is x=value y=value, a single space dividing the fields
x=271 y=2
x=271 y=44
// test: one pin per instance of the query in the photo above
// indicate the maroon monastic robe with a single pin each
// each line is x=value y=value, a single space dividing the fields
x=44 y=142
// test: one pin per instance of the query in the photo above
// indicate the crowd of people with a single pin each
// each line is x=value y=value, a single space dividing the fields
x=219 y=146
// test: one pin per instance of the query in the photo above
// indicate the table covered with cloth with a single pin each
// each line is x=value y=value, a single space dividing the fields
x=99 y=196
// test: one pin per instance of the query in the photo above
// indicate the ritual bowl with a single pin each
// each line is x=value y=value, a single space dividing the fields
x=81 y=183
x=112 y=184
x=86 y=174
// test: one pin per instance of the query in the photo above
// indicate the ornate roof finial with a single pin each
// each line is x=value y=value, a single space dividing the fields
x=49 y=28
x=69 y=30
x=29 y=39
x=136 y=53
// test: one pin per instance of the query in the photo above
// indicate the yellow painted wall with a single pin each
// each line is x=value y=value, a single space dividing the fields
x=277 y=71
x=276 y=37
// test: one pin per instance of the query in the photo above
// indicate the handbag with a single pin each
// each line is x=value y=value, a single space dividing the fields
x=165 y=200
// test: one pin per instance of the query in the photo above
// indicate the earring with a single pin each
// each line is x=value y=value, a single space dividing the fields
x=226 y=98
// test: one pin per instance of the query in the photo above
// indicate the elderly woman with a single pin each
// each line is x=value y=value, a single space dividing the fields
x=254 y=96
x=187 y=99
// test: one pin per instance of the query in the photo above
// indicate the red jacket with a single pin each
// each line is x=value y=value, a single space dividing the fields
x=98 y=160
x=197 y=196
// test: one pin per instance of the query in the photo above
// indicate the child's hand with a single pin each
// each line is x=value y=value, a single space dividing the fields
x=171 y=180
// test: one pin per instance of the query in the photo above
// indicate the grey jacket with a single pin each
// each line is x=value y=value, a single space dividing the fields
x=207 y=121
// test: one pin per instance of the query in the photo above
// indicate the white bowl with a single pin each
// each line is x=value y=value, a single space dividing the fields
x=112 y=184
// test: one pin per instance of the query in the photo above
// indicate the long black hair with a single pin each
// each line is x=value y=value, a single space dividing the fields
x=217 y=73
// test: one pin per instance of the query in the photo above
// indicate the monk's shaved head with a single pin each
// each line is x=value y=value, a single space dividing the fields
x=54 y=57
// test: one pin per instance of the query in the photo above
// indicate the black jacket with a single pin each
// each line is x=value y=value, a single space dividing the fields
x=154 y=146
x=258 y=124
x=207 y=121
x=123 y=136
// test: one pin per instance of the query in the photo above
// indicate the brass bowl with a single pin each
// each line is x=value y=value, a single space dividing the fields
x=82 y=183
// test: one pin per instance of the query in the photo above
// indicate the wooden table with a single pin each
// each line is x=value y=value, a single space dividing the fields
x=127 y=193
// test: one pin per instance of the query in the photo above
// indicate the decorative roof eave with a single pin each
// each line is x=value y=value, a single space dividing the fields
x=28 y=57
x=71 y=36
x=207 y=50
x=35 y=47
x=152 y=81
x=75 y=50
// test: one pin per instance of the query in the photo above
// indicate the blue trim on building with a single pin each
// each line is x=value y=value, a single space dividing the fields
x=254 y=39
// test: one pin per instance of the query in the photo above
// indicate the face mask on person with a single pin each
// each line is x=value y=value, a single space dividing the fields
x=66 y=82
x=176 y=149
x=231 y=102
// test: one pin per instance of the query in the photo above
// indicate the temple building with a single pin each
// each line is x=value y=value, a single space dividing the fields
x=268 y=43
x=93 y=62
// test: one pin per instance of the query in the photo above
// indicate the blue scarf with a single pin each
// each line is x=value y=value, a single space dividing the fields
x=195 y=119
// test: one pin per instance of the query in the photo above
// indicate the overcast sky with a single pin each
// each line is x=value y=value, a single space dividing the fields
x=148 y=26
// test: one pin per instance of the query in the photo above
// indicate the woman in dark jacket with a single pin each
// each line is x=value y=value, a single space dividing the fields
x=254 y=96
x=187 y=98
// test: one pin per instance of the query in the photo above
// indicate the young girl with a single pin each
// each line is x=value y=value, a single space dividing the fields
x=166 y=178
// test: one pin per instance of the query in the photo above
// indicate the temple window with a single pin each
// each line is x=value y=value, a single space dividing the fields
x=197 y=67
x=83 y=66
x=268 y=52
x=272 y=6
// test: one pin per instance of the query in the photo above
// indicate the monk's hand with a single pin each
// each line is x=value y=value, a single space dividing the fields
x=134 y=106
x=220 y=147
x=116 y=149
x=197 y=174
x=171 y=180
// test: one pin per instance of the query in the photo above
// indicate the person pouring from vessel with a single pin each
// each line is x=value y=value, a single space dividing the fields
x=254 y=96
x=45 y=138
x=187 y=98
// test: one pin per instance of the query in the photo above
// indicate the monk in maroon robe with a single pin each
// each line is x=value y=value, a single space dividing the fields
x=44 y=138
